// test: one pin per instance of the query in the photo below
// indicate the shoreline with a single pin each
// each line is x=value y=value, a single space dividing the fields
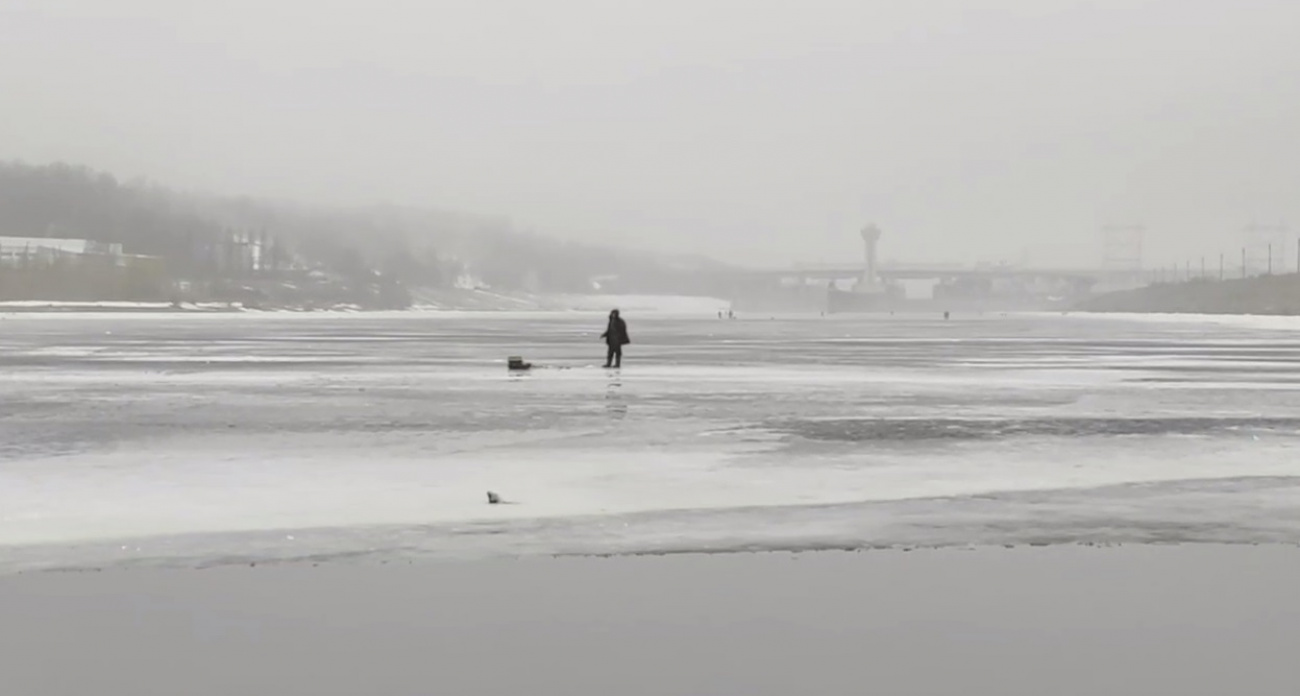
x=1262 y=295
x=478 y=302
x=165 y=308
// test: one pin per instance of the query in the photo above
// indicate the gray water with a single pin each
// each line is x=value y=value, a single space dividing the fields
x=200 y=440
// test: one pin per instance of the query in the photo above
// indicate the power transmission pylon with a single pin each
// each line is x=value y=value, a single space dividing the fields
x=1266 y=247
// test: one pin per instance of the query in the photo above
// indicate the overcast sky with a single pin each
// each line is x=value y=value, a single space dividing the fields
x=762 y=131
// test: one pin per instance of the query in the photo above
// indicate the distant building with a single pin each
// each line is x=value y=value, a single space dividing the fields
x=43 y=251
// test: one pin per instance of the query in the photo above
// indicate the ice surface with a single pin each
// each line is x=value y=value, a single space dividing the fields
x=200 y=438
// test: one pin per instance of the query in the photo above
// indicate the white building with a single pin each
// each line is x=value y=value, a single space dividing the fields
x=19 y=251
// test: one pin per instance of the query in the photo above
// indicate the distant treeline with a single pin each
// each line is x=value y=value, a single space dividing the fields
x=216 y=240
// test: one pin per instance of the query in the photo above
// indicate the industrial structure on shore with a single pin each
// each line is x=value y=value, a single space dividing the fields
x=876 y=287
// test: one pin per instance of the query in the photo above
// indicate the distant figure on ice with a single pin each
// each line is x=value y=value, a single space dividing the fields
x=615 y=337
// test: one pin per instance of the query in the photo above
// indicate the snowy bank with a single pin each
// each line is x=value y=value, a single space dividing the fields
x=458 y=300
x=112 y=306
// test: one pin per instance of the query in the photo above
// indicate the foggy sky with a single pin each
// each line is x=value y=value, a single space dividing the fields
x=751 y=130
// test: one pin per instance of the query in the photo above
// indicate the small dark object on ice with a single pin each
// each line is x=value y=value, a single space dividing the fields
x=515 y=363
x=493 y=498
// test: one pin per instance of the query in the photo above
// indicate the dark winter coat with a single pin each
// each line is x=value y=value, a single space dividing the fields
x=616 y=334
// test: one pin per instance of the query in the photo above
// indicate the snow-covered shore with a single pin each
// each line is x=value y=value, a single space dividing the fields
x=443 y=300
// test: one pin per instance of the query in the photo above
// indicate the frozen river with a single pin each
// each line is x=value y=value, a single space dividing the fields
x=198 y=440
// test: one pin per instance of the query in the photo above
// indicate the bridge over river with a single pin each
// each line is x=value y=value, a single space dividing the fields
x=941 y=272
x=871 y=285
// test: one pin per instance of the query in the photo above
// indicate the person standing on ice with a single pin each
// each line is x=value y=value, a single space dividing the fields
x=615 y=337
